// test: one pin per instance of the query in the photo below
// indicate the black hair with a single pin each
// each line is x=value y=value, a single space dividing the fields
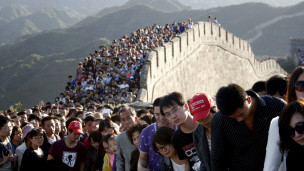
x=36 y=132
x=106 y=123
x=15 y=128
x=162 y=136
x=259 y=86
x=230 y=98
x=139 y=112
x=156 y=102
x=171 y=99
x=33 y=117
x=138 y=126
x=147 y=118
x=276 y=84
x=89 y=118
x=47 y=118
x=3 y=120
x=69 y=120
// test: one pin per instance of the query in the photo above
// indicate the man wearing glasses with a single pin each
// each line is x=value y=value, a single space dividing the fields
x=148 y=158
x=174 y=107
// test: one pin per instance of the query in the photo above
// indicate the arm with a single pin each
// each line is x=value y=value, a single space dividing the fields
x=120 y=161
x=143 y=161
x=273 y=155
x=50 y=157
x=5 y=159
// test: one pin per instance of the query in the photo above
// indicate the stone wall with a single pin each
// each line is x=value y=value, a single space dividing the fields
x=202 y=59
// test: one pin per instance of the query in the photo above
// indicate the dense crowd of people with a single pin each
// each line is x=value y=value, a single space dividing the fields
x=91 y=126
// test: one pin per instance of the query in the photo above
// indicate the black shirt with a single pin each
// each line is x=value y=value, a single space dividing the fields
x=234 y=146
x=183 y=144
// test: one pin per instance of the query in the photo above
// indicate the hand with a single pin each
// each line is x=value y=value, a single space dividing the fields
x=15 y=157
x=6 y=158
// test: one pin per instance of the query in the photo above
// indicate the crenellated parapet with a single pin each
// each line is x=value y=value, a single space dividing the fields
x=202 y=59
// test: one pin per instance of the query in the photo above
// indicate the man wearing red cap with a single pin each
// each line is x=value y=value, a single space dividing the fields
x=202 y=107
x=68 y=151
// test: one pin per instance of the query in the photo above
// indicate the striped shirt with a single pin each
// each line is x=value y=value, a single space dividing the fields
x=234 y=146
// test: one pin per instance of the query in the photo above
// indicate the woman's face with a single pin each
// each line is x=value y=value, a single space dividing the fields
x=297 y=137
x=17 y=136
x=94 y=144
x=298 y=93
x=166 y=150
x=37 y=140
x=6 y=130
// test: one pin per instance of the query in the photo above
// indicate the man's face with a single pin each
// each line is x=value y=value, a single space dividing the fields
x=176 y=114
x=89 y=126
x=49 y=127
x=74 y=136
x=161 y=120
x=241 y=113
x=23 y=118
x=126 y=119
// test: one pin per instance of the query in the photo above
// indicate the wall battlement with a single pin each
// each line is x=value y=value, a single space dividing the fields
x=202 y=59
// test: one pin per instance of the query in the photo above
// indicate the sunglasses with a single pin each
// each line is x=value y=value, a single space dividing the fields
x=299 y=128
x=299 y=86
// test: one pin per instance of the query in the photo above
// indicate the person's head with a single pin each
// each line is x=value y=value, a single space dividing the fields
x=134 y=131
x=5 y=127
x=88 y=123
x=48 y=124
x=127 y=116
x=57 y=125
x=95 y=139
x=202 y=107
x=233 y=101
x=142 y=112
x=23 y=116
x=16 y=135
x=25 y=132
x=260 y=88
x=34 y=120
x=16 y=120
x=106 y=126
x=36 y=137
x=174 y=107
x=112 y=143
x=74 y=130
x=276 y=86
x=162 y=142
x=105 y=143
x=161 y=119
x=295 y=89
x=291 y=125
x=147 y=118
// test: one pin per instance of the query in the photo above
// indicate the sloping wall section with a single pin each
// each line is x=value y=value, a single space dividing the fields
x=202 y=59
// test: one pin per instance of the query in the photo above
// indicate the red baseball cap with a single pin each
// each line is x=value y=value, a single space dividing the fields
x=76 y=127
x=200 y=105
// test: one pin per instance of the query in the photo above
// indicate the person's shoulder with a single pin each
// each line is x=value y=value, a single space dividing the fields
x=273 y=100
x=121 y=136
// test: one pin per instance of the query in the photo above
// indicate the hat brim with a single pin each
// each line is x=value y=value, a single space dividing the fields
x=78 y=131
x=200 y=115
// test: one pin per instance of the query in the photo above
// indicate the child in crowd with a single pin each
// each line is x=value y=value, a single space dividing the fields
x=108 y=159
x=133 y=134
x=113 y=148
x=162 y=144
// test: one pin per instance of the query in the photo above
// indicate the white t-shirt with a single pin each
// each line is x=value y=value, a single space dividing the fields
x=177 y=167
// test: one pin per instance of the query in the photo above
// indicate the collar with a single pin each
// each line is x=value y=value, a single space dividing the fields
x=260 y=101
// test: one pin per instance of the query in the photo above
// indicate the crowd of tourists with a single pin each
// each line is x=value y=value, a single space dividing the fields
x=90 y=127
